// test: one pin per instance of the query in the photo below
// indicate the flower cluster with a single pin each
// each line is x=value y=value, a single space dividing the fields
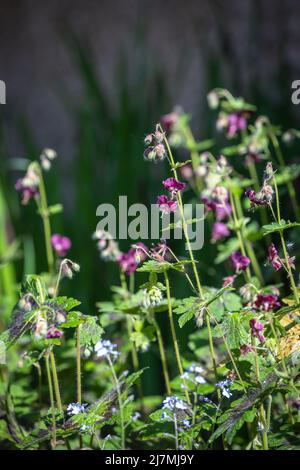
x=47 y=322
x=108 y=248
x=76 y=408
x=152 y=297
x=173 y=186
x=155 y=151
x=193 y=375
x=107 y=349
x=46 y=158
x=178 y=410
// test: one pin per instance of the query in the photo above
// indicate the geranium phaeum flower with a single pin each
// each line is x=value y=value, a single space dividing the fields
x=128 y=262
x=257 y=329
x=265 y=302
x=219 y=231
x=173 y=186
x=239 y=262
x=274 y=258
x=27 y=192
x=166 y=205
x=53 y=332
x=236 y=122
x=61 y=244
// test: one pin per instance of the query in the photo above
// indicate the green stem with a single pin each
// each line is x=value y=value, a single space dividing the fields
x=56 y=383
x=78 y=370
x=262 y=414
x=119 y=400
x=185 y=230
x=288 y=267
x=290 y=186
x=162 y=355
x=51 y=398
x=173 y=331
x=44 y=212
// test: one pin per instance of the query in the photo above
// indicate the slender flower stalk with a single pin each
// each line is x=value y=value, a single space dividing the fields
x=44 y=212
x=51 y=399
x=248 y=246
x=262 y=413
x=162 y=355
x=283 y=244
x=78 y=370
x=185 y=230
x=134 y=354
x=173 y=331
x=55 y=381
x=117 y=384
x=289 y=184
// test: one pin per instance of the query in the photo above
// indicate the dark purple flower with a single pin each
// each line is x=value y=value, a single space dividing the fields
x=236 y=122
x=168 y=121
x=166 y=205
x=239 y=262
x=257 y=329
x=219 y=231
x=173 y=186
x=53 y=332
x=186 y=172
x=265 y=302
x=255 y=199
x=128 y=262
x=273 y=257
x=223 y=211
x=228 y=280
x=61 y=244
x=27 y=192
x=245 y=349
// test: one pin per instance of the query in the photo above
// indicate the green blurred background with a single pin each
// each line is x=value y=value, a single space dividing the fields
x=90 y=79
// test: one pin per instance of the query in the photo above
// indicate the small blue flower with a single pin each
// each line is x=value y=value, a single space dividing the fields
x=76 y=408
x=224 y=385
x=106 y=349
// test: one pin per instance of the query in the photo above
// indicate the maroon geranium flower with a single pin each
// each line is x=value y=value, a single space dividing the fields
x=127 y=261
x=219 y=231
x=53 y=332
x=236 y=122
x=274 y=258
x=239 y=262
x=166 y=205
x=27 y=192
x=173 y=186
x=265 y=302
x=168 y=121
x=257 y=329
x=61 y=244
x=245 y=349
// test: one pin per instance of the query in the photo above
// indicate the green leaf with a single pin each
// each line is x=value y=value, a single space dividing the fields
x=91 y=332
x=278 y=227
x=67 y=303
x=161 y=266
x=36 y=286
